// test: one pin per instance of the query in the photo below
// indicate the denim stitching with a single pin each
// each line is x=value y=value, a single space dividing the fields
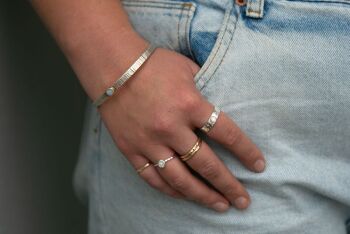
x=178 y=30
x=154 y=2
x=259 y=12
x=346 y=2
x=216 y=51
x=215 y=54
x=222 y=59
x=187 y=29
x=203 y=77
x=154 y=6
x=259 y=9
x=184 y=13
x=151 y=4
x=99 y=174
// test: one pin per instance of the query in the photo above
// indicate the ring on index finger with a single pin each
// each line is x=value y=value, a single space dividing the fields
x=212 y=120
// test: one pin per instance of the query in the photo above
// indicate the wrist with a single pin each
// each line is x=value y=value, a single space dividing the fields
x=98 y=64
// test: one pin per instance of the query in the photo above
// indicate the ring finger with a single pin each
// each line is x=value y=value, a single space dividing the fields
x=151 y=176
x=179 y=177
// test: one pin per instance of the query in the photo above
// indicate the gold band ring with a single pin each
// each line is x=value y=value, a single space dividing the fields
x=141 y=169
x=192 y=151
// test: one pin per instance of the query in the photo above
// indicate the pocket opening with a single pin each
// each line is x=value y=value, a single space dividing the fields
x=165 y=23
x=219 y=49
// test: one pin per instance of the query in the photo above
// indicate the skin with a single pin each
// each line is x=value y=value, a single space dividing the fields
x=155 y=113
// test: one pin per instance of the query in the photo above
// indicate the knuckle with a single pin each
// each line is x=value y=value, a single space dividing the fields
x=210 y=169
x=178 y=183
x=162 y=124
x=189 y=101
x=233 y=136
x=122 y=144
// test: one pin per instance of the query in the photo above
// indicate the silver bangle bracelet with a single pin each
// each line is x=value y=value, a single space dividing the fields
x=129 y=73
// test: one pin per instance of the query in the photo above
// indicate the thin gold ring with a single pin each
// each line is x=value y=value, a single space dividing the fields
x=161 y=163
x=192 y=151
x=141 y=169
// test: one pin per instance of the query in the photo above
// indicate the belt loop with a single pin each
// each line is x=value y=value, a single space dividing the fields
x=255 y=8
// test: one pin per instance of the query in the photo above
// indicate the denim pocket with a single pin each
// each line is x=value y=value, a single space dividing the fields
x=219 y=50
x=165 y=23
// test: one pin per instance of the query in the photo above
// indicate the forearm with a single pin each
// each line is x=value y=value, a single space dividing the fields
x=96 y=37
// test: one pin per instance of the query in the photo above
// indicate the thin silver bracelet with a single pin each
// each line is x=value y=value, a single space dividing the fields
x=129 y=73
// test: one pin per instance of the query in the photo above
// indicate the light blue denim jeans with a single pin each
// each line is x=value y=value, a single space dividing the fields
x=281 y=70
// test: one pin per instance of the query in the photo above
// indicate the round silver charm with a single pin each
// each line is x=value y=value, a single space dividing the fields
x=110 y=91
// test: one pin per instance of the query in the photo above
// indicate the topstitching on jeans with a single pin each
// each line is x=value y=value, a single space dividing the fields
x=227 y=31
x=190 y=8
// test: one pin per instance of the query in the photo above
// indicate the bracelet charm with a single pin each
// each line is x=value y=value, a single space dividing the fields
x=110 y=91
x=129 y=73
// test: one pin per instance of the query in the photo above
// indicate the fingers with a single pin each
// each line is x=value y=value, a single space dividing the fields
x=210 y=167
x=227 y=133
x=152 y=177
x=179 y=177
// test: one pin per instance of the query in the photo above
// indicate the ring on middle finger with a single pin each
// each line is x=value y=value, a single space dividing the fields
x=212 y=120
x=192 y=151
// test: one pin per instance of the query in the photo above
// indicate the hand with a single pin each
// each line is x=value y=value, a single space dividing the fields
x=154 y=116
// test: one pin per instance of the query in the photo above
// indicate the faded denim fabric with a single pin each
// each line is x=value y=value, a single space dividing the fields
x=281 y=70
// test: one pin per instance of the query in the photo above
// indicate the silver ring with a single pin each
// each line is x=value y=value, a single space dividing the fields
x=211 y=121
x=161 y=163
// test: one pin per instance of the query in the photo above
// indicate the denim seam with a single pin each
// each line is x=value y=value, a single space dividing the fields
x=188 y=28
x=181 y=27
x=345 y=2
x=214 y=56
x=222 y=59
x=155 y=2
x=178 y=30
x=152 y=4
x=99 y=179
x=202 y=78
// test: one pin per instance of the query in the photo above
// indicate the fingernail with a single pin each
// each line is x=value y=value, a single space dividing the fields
x=220 y=206
x=259 y=165
x=241 y=203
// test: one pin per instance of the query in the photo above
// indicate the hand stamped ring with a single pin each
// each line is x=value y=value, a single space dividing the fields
x=211 y=121
x=161 y=163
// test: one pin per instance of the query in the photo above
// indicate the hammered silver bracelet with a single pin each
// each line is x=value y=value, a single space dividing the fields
x=129 y=73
